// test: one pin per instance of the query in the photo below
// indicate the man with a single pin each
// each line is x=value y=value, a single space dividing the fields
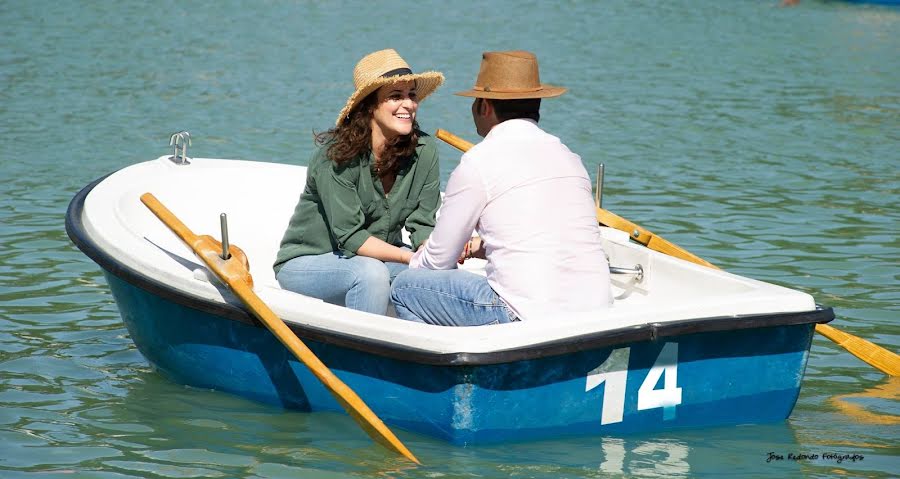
x=529 y=199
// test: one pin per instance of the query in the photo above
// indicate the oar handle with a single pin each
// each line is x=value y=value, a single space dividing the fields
x=453 y=140
x=169 y=219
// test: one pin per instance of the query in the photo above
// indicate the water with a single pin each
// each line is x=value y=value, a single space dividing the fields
x=764 y=139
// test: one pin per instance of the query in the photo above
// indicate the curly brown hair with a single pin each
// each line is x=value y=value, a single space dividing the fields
x=353 y=137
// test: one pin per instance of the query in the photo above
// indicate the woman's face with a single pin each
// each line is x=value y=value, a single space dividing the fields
x=395 y=109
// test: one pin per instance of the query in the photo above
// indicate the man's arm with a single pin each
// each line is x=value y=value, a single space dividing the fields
x=464 y=200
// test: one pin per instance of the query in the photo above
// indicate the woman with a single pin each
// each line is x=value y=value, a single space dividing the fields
x=373 y=174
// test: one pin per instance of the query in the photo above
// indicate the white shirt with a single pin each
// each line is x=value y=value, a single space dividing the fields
x=529 y=199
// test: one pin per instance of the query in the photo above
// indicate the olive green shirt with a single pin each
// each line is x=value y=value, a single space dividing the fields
x=343 y=205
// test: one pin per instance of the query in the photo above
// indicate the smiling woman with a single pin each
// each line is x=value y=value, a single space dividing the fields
x=374 y=174
x=395 y=112
x=393 y=122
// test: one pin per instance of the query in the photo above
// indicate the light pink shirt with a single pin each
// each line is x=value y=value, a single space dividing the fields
x=529 y=199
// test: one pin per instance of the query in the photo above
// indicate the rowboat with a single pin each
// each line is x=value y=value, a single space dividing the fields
x=683 y=346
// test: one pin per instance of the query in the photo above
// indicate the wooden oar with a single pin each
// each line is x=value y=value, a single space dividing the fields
x=233 y=272
x=872 y=354
x=647 y=238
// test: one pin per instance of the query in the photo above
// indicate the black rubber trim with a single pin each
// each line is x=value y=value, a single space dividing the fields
x=645 y=332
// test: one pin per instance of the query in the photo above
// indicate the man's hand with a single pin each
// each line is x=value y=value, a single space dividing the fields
x=474 y=248
x=477 y=249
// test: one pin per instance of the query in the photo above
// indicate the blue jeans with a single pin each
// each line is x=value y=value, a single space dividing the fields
x=448 y=298
x=360 y=282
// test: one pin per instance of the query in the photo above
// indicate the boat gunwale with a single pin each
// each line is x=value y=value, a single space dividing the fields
x=651 y=331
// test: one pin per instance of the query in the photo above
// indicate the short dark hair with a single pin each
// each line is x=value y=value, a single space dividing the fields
x=510 y=109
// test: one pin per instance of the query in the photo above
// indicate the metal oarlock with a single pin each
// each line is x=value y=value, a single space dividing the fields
x=637 y=271
x=598 y=198
x=223 y=222
x=179 y=143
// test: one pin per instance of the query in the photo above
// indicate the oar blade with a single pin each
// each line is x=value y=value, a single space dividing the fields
x=373 y=426
x=872 y=354
x=346 y=397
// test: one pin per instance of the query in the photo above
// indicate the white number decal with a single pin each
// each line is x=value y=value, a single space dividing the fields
x=670 y=395
x=614 y=373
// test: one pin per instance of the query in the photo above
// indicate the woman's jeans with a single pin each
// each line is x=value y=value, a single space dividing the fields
x=360 y=282
x=448 y=298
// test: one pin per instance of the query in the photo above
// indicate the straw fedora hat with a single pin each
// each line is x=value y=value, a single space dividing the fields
x=385 y=67
x=510 y=75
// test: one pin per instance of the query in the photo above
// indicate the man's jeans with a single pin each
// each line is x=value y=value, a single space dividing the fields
x=359 y=282
x=448 y=298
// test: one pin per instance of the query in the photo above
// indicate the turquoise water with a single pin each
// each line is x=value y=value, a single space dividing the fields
x=764 y=139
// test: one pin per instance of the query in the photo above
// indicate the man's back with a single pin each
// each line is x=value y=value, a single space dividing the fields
x=538 y=222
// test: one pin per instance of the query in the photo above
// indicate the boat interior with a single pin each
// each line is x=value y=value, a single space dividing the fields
x=259 y=198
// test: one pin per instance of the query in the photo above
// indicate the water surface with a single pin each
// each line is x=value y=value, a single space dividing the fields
x=764 y=139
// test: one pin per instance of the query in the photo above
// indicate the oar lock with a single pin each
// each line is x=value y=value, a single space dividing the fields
x=223 y=222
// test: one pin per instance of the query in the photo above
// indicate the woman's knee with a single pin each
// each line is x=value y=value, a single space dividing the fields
x=371 y=273
x=371 y=286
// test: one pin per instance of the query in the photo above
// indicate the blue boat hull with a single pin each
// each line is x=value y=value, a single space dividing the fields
x=685 y=381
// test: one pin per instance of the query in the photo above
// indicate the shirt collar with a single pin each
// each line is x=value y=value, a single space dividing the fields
x=510 y=126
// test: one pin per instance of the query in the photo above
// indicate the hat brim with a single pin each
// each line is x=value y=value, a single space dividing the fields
x=426 y=84
x=546 y=91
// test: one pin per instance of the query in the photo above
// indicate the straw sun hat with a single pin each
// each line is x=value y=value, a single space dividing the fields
x=510 y=75
x=385 y=67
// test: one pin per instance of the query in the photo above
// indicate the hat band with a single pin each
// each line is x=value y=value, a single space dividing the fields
x=397 y=72
x=506 y=90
